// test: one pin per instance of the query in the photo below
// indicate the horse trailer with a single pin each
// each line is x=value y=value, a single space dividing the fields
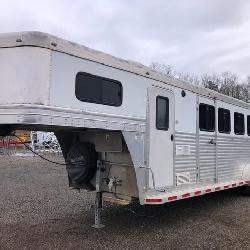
x=127 y=132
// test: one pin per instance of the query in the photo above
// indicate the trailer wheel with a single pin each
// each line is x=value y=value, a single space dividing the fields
x=81 y=165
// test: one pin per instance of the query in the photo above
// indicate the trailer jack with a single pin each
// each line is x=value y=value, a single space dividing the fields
x=98 y=199
x=98 y=208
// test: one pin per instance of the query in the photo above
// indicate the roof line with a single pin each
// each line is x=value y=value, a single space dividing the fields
x=44 y=40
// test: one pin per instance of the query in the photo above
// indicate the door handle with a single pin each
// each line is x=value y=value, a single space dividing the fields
x=172 y=137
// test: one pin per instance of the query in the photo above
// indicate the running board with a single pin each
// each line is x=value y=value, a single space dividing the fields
x=188 y=191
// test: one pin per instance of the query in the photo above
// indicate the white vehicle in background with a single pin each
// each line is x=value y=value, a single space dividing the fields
x=45 y=142
x=125 y=130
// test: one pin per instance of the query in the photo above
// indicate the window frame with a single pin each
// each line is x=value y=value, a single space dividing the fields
x=89 y=100
x=156 y=116
x=230 y=127
x=248 y=127
x=214 y=127
x=244 y=129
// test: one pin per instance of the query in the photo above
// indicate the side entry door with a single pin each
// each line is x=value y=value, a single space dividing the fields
x=160 y=124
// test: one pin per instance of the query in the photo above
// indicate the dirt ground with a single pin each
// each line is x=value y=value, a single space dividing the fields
x=39 y=211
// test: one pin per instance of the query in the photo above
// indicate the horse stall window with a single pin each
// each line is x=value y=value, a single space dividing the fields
x=248 y=124
x=162 y=113
x=224 y=121
x=239 y=125
x=206 y=117
x=96 y=89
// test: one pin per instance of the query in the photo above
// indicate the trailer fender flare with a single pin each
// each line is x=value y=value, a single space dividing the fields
x=135 y=143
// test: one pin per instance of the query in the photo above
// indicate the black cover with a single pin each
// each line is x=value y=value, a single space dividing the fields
x=81 y=165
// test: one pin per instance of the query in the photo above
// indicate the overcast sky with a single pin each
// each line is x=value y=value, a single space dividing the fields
x=195 y=36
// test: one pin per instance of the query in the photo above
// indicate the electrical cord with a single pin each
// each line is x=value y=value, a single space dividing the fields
x=42 y=157
x=30 y=149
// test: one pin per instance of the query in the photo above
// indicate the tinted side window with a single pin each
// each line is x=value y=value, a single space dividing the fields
x=206 y=117
x=239 y=126
x=96 y=89
x=224 y=121
x=162 y=113
x=248 y=124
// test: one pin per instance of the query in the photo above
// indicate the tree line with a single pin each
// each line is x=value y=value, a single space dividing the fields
x=227 y=83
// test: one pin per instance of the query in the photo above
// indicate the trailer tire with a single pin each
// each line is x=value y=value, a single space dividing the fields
x=81 y=165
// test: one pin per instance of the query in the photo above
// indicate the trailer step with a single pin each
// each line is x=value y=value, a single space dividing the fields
x=187 y=191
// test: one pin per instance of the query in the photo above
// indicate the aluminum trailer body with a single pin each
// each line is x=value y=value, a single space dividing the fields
x=151 y=137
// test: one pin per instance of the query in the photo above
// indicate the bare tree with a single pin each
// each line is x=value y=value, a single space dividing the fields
x=169 y=70
x=191 y=78
x=211 y=81
x=227 y=83
x=163 y=68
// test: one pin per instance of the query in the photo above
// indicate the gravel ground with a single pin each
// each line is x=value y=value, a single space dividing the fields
x=39 y=211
